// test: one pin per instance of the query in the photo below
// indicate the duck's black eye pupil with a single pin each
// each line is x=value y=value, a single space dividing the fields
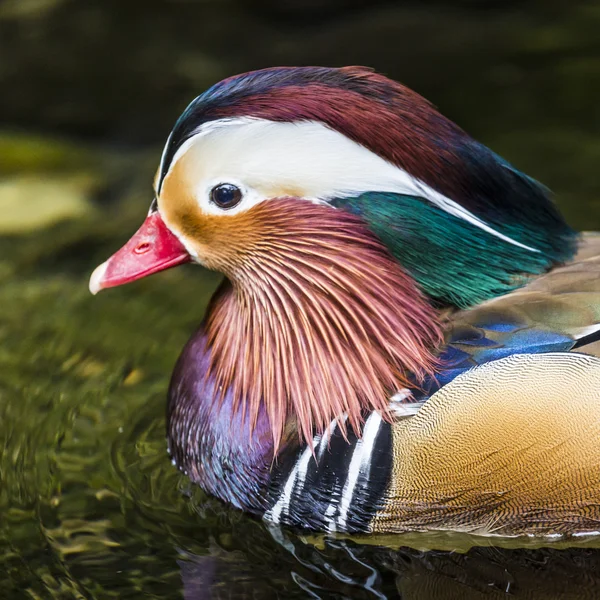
x=226 y=195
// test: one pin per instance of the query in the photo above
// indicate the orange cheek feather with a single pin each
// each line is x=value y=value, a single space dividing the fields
x=218 y=241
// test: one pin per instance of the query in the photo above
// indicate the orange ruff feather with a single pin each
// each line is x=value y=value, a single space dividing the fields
x=317 y=319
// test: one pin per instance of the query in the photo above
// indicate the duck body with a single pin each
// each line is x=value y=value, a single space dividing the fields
x=239 y=466
x=507 y=444
x=407 y=337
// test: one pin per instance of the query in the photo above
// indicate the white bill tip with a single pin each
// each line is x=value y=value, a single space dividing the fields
x=97 y=277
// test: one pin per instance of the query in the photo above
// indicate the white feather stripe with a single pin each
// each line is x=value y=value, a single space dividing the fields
x=295 y=479
x=408 y=409
x=323 y=444
x=307 y=159
x=360 y=465
x=329 y=517
x=581 y=332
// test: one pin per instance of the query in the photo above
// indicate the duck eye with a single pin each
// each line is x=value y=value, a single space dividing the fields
x=226 y=195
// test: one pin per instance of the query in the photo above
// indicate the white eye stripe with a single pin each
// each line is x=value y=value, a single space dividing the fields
x=267 y=159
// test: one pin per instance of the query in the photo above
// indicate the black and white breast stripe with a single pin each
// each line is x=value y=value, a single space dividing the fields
x=589 y=335
x=338 y=484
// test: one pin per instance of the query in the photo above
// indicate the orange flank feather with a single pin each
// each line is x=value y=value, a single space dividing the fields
x=316 y=319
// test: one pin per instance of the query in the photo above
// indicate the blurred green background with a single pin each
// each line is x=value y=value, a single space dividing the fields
x=89 y=503
x=111 y=76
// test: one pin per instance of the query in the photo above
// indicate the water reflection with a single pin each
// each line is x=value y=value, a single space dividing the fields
x=343 y=569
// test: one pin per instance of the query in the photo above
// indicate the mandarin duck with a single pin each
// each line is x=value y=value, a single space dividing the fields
x=407 y=333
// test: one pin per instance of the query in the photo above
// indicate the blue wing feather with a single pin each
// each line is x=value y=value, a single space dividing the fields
x=471 y=346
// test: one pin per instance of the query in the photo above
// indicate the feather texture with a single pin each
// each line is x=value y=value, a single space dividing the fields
x=318 y=320
x=510 y=447
x=454 y=261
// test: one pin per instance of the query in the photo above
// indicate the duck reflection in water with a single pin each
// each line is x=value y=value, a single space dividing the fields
x=340 y=568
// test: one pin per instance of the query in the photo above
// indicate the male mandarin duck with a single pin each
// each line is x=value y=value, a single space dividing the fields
x=407 y=335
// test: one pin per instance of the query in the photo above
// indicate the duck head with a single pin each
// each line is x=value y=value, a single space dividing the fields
x=340 y=206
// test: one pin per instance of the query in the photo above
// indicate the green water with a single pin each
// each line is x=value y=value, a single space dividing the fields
x=90 y=505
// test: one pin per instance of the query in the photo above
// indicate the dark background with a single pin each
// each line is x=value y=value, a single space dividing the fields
x=523 y=77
